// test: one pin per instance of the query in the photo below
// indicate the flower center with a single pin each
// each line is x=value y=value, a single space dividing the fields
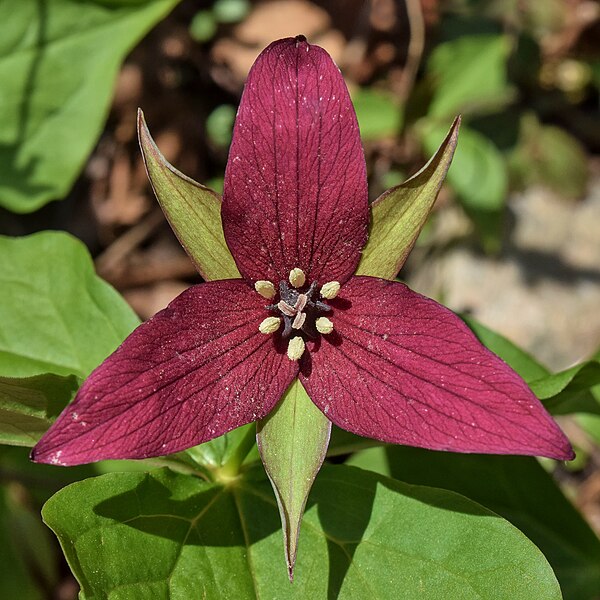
x=299 y=308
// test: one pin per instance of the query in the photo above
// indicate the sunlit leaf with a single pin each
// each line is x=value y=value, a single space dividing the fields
x=163 y=535
x=378 y=113
x=56 y=315
x=58 y=63
x=469 y=75
x=518 y=489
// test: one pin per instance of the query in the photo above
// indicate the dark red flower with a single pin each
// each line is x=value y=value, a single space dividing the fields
x=378 y=359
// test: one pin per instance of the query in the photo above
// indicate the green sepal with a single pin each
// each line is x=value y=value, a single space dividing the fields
x=292 y=441
x=399 y=214
x=193 y=211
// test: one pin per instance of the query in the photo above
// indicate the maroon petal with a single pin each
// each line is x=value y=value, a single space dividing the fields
x=196 y=370
x=295 y=186
x=403 y=369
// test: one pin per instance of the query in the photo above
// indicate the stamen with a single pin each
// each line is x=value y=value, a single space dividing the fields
x=299 y=320
x=270 y=325
x=297 y=277
x=330 y=290
x=301 y=302
x=324 y=325
x=286 y=309
x=265 y=288
x=295 y=348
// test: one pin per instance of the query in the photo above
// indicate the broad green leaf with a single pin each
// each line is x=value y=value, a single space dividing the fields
x=469 y=75
x=479 y=178
x=378 y=113
x=399 y=214
x=193 y=211
x=293 y=442
x=163 y=535
x=56 y=315
x=58 y=63
x=518 y=489
x=28 y=406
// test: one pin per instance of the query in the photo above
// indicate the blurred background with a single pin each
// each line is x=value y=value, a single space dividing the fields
x=514 y=239
x=515 y=236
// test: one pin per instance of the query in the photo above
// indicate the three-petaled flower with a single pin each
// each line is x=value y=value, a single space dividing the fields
x=376 y=358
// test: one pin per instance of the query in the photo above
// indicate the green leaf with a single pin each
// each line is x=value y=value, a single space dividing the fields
x=293 y=442
x=569 y=391
x=231 y=11
x=518 y=489
x=479 y=178
x=203 y=26
x=522 y=362
x=163 y=535
x=566 y=392
x=16 y=581
x=193 y=211
x=29 y=406
x=378 y=113
x=469 y=75
x=343 y=442
x=219 y=125
x=399 y=214
x=550 y=156
x=216 y=453
x=56 y=315
x=58 y=63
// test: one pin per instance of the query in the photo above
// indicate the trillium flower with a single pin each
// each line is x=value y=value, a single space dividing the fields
x=376 y=358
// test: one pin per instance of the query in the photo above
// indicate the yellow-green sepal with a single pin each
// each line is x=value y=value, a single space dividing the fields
x=293 y=442
x=399 y=214
x=193 y=211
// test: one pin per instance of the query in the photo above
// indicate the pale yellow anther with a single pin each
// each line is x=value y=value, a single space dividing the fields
x=297 y=277
x=330 y=290
x=324 y=325
x=270 y=325
x=295 y=348
x=265 y=288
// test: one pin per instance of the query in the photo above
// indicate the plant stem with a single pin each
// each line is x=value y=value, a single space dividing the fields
x=231 y=468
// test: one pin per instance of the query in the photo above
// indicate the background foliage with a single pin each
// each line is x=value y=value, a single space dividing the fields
x=517 y=216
